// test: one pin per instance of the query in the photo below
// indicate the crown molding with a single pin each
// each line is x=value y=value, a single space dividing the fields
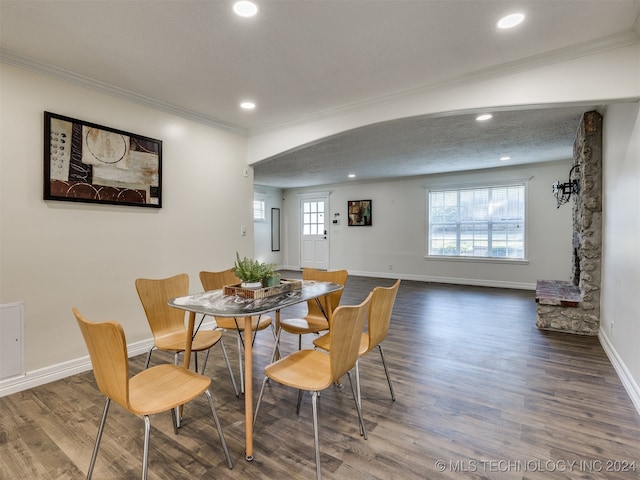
x=17 y=60
x=603 y=44
x=628 y=38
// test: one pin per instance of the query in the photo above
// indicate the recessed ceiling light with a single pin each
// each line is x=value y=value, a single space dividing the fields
x=510 y=21
x=352 y=175
x=484 y=117
x=505 y=158
x=247 y=105
x=245 y=8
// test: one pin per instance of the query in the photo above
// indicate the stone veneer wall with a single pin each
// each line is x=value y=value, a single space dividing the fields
x=587 y=236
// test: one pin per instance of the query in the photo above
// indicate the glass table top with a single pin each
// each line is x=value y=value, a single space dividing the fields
x=216 y=303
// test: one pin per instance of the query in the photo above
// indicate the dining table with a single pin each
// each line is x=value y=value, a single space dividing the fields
x=218 y=304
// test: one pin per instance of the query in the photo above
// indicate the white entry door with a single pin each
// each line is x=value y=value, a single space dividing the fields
x=314 y=243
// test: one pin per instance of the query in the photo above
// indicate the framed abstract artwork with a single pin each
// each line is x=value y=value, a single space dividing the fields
x=85 y=162
x=359 y=213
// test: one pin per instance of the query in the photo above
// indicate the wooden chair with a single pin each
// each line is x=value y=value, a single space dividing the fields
x=314 y=371
x=216 y=281
x=154 y=390
x=382 y=301
x=318 y=311
x=167 y=323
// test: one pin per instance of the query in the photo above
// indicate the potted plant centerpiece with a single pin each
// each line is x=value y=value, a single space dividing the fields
x=272 y=278
x=255 y=274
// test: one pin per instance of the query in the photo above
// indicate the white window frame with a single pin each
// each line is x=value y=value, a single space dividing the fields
x=478 y=186
x=263 y=200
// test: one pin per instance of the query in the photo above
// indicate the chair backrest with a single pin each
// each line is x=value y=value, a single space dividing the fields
x=380 y=313
x=333 y=299
x=154 y=295
x=108 y=352
x=217 y=280
x=345 y=333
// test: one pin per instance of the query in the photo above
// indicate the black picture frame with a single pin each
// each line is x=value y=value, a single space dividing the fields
x=359 y=213
x=86 y=162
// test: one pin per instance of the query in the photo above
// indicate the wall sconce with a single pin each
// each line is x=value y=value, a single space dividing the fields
x=563 y=191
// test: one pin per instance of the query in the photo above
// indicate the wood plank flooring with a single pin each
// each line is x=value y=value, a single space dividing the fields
x=481 y=394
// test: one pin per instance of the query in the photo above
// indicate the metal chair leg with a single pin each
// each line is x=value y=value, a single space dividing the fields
x=174 y=420
x=98 y=438
x=255 y=413
x=145 y=454
x=357 y=392
x=146 y=365
x=276 y=347
x=314 y=406
x=177 y=417
x=357 y=368
x=386 y=370
x=226 y=359
x=219 y=427
x=240 y=349
x=204 y=364
x=299 y=401
x=363 y=429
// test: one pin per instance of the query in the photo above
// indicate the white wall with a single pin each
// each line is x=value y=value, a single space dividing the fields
x=398 y=234
x=620 y=309
x=57 y=255
x=262 y=230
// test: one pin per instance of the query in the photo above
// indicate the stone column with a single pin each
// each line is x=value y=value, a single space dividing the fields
x=582 y=316
x=587 y=222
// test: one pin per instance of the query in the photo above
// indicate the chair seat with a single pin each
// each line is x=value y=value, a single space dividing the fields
x=300 y=326
x=257 y=323
x=305 y=369
x=324 y=343
x=154 y=390
x=203 y=340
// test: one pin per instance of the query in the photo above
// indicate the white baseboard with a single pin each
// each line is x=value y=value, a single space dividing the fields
x=60 y=370
x=72 y=367
x=432 y=279
x=449 y=280
x=626 y=378
x=290 y=267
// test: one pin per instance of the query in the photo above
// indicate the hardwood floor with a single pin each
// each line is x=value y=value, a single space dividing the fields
x=480 y=393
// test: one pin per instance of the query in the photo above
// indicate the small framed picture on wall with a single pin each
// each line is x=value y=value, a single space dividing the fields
x=359 y=212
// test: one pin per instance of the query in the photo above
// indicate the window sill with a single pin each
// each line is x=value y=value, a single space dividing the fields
x=507 y=261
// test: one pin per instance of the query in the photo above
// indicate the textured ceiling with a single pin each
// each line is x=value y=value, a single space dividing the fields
x=427 y=145
x=299 y=59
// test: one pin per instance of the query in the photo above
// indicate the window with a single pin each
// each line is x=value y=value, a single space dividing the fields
x=477 y=222
x=313 y=218
x=259 y=209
